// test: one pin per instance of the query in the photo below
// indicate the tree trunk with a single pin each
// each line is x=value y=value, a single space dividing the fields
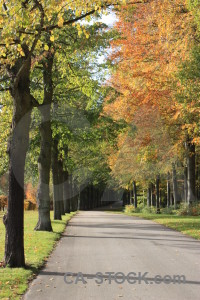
x=158 y=194
x=131 y=197
x=17 y=149
x=175 y=186
x=44 y=167
x=135 y=193
x=44 y=161
x=152 y=194
x=168 y=190
x=56 y=188
x=191 y=197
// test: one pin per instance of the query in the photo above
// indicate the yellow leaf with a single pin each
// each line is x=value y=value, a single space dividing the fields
x=52 y=38
x=60 y=22
x=175 y=117
x=46 y=47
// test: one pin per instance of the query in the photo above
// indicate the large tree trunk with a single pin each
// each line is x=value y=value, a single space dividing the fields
x=191 y=197
x=44 y=161
x=17 y=149
x=44 y=167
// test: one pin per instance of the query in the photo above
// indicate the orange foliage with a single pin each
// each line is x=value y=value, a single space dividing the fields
x=3 y=202
x=30 y=193
x=154 y=39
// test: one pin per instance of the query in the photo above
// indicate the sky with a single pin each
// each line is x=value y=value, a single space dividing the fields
x=109 y=19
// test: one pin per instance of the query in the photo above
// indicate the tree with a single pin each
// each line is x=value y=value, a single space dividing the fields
x=147 y=56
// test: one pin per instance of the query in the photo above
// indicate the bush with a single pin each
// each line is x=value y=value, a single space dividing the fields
x=29 y=205
x=189 y=210
x=3 y=202
x=31 y=202
x=140 y=209
x=149 y=210
x=131 y=209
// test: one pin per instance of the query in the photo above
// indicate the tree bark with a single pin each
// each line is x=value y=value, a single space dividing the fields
x=17 y=149
x=191 y=184
x=44 y=161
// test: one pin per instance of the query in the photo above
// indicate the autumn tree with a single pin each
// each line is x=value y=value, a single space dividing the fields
x=155 y=37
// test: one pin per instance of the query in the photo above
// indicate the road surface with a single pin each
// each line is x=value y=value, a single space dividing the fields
x=143 y=257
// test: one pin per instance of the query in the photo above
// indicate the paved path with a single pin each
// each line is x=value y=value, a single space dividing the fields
x=102 y=242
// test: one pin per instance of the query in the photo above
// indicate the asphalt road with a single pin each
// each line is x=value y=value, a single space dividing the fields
x=96 y=241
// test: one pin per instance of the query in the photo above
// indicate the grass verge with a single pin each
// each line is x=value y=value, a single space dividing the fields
x=189 y=225
x=38 y=245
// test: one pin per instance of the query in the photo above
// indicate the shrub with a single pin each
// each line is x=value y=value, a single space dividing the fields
x=3 y=202
x=28 y=205
x=149 y=210
x=189 y=210
x=131 y=209
x=31 y=202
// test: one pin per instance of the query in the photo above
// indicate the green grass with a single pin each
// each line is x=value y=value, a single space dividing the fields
x=189 y=225
x=38 y=246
